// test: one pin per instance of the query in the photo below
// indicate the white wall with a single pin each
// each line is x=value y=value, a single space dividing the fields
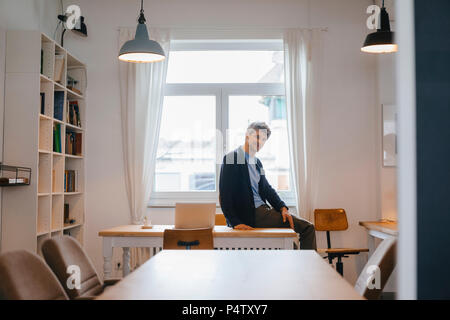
x=387 y=95
x=350 y=140
x=388 y=175
x=22 y=15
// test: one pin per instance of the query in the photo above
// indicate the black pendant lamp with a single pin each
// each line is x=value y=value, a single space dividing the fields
x=141 y=49
x=381 y=41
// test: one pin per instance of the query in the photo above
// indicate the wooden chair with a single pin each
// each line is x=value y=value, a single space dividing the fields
x=381 y=263
x=64 y=251
x=334 y=220
x=25 y=276
x=188 y=239
x=220 y=220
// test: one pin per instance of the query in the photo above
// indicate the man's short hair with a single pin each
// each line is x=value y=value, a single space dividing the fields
x=256 y=126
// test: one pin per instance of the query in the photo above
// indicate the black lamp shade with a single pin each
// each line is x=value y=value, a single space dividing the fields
x=82 y=29
x=381 y=41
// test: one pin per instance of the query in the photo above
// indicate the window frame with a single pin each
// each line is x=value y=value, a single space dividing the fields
x=222 y=92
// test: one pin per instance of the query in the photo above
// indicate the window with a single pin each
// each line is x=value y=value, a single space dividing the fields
x=214 y=90
x=242 y=110
x=186 y=158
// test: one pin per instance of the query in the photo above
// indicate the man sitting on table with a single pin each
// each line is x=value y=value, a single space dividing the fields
x=244 y=191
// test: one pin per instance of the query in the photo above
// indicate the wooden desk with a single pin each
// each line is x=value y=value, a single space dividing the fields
x=133 y=236
x=233 y=275
x=379 y=229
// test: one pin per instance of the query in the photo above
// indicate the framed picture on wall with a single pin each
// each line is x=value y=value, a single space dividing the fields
x=389 y=116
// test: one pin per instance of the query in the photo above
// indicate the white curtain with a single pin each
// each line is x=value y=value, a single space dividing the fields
x=141 y=91
x=303 y=59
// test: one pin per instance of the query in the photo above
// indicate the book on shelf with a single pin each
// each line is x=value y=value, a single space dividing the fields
x=78 y=137
x=70 y=180
x=59 y=66
x=74 y=143
x=42 y=61
x=77 y=114
x=73 y=114
x=58 y=105
x=42 y=102
x=57 y=137
x=66 y=213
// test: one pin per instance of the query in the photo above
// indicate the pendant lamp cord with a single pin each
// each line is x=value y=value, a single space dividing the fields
x=141 y=15
x=383 y=3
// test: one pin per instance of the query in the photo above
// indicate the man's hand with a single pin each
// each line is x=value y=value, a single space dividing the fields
x=242 y=227
x=286 y=215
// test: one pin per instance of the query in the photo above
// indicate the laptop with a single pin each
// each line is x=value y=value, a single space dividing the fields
x=195 y=215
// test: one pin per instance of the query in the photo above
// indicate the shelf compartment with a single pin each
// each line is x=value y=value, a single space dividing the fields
x=43 y=216
x=60 y=65
x=45 y=165
x=45 y=135
x=57 y=212
x=58 y=174
x=77 y=165
x=76 y=232
x=75 y=114
x=75 y=209
x=46 y=102
x=81 y=106
x=47 y=57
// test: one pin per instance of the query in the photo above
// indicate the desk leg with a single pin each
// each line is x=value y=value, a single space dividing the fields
x=288 y=244
x=107 y=257
x=370 y=244
x=126 y=261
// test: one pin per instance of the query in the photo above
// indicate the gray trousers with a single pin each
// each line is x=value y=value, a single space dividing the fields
x=266 y=217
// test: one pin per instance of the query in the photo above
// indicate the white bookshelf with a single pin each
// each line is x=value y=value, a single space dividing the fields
x=34 y=213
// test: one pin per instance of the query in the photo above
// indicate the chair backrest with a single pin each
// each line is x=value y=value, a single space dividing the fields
x=25 y=276
x=62 y=252
x=220 y=220
x=195 y=239
x=376 y=272
x=330 y=220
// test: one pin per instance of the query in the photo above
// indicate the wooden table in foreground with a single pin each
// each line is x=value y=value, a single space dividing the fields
x=133 y=236
x=233 y=275
x=379 y=229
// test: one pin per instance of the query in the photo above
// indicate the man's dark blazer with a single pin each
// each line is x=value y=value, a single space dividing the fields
x=235 y=192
